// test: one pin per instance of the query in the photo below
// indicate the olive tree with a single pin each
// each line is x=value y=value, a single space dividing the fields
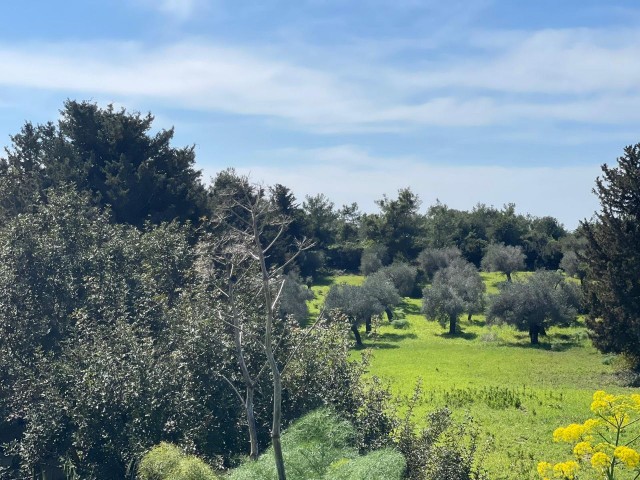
x=361 y=302
x=431 y=260
x=403 y=277
x=455 y=289
x=503 y=258
x=533 y=304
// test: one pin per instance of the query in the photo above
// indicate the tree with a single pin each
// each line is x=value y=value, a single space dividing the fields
x=503 y=258
x=320 y=219
x=84 y=335
x=433 y=259
x=535 y=303
x=403 y=277
x=381 y=289
x=398 y=226
x=361 y=303
x=293 y=299
x=110 y=154
x=249 y=225
x=612 y=258
x=455 y=289
x=373 y=259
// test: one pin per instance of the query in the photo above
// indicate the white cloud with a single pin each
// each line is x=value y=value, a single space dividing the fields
x=548 y=76
x=349 y=174
x=568 y=61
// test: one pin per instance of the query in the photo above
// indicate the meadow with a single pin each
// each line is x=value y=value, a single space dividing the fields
x=517 y=394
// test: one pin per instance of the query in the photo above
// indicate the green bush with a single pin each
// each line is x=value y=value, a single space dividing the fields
x=319 y=446
x=168 y=462
x=384 y=464
x=400 y=324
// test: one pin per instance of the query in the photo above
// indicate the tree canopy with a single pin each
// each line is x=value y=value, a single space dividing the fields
x=455 y=289
x=612 y=258
x=535 y=303
x=110 y=154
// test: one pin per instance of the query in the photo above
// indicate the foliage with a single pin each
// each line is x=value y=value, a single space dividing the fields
x=403 y=277
x=603 y=443
x=433 y=259
x=293 y=299
x=442 y=448
x=84 y=330
x=503 y=258
x=322 y=446
x=373 y=259
x=168 y=462
x=110 y=154
x=613 y=259
x=455 y=289
x=398 y=227
x=541 y=300
x=383 y=464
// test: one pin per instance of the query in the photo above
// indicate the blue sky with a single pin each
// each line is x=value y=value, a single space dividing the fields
x=464 y=101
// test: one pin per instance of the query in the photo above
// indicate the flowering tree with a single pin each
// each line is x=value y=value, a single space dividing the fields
x=604 y=443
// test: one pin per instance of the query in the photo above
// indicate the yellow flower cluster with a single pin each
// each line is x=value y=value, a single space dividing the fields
x=600 y=460
x=615 y=407
x=601 y=401
x=574 y=432
x=628 y=456
x=565 y=470
x=582 y=449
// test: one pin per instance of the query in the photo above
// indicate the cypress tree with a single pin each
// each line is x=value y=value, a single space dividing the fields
x=612 y=257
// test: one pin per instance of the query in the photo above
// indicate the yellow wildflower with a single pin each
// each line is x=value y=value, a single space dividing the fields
x=544 y=468
x=628 y=456
x=566 y=469
x=582 y=448
x=601 y=401
x=570 y=433
x=600 y=460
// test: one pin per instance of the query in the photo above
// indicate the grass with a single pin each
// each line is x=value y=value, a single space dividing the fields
x=518 y=393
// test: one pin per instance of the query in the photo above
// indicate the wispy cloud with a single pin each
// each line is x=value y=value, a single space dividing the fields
x=585 y=76
x=177 y=9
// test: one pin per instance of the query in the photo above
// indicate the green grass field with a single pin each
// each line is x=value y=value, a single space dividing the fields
x=518 y=394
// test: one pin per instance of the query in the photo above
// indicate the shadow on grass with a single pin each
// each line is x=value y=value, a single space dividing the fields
x=395 y=337
x=410 y=308
x=478 y=322
x=559 y=342
x=322 y=281
x=385 y=341
x=463 y=335
x=377 y=345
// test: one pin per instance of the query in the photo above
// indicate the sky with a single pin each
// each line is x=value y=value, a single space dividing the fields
x=465 y=102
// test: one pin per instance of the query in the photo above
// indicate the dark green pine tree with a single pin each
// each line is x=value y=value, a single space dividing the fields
x=612 y=257
x=110 y=154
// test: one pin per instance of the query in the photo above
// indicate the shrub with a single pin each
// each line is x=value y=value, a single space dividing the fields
x=444 y=449
x=400 y=324
x=384 y=464
x=322 y=446
x=309 y=446
x=168 y=462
